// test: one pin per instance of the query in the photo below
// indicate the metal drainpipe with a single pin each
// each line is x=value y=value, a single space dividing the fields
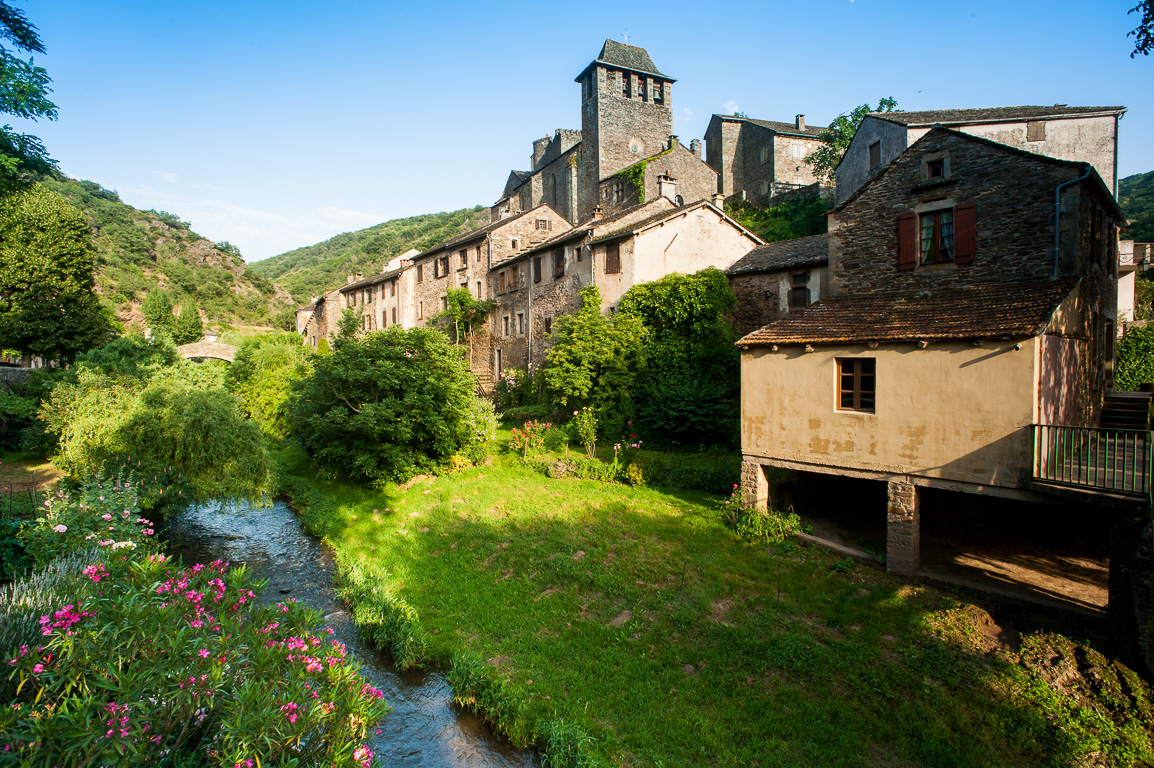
x=1057 y=212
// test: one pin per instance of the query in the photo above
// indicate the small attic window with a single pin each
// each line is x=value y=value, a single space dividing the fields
x=875 y=154
x=1036 y=130
x=516 y=244
x=936 y=169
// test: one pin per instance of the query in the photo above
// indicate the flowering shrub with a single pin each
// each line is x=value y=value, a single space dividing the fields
x=162 y=660
x=530 y=438
x=584 y=429
x=627 y=447
x=103 y=513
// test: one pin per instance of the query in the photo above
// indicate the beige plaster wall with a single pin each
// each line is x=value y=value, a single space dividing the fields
x=952 y=411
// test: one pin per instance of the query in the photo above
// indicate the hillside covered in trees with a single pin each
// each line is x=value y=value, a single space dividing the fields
x=311 y=270
x=139 y=252
x=1136 y=195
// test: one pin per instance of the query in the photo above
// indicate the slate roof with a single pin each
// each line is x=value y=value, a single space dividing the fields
x=371 y=280
x=584 y=228
x=1007 y=310
x=812 y=251
x=476 y=233
x=777 y=127
x=516 y=179
x=622 y=56
x=990 y=114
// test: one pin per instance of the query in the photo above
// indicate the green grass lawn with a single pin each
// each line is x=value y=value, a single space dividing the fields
x=636 y=616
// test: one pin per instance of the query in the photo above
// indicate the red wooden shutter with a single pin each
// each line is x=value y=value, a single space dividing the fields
x=965 y=233
x=907 y=241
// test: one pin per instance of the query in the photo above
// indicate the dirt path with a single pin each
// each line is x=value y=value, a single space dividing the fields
x=21 y=474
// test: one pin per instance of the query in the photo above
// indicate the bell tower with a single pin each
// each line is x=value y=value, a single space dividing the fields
x=626 y=116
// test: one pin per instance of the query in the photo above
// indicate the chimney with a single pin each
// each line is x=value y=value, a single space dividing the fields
x=719 y=201
x=667 y=187
x=598 y=213
x=695 y=148
x=360 y=275
x=672 y=140
x=348 y=278
x=799 y=121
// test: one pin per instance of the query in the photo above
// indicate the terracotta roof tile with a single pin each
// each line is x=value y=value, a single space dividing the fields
x=809 y=251
x=987 y=311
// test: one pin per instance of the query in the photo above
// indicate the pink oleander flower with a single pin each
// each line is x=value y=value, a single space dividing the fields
x=37 y=669
x=106 y=516
x=60 y=528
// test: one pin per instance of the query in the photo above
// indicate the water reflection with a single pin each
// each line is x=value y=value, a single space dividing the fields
x=425 y=728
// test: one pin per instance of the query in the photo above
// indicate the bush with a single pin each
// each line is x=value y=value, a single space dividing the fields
x=184 y=661
x=530 y=438
x=1135 y=358
x=389 y=406
x=757 y=524
x=262 y=374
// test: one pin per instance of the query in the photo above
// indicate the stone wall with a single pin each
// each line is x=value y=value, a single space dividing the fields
x=723 y=151
x=763 y=297
x=854 y=169
x=1015 y=216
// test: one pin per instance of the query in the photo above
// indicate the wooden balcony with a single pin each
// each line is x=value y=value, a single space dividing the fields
x=1111 y=461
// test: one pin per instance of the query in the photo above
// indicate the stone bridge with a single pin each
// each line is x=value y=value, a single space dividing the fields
x=207 y=349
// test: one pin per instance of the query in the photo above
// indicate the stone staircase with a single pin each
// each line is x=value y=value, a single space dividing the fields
x=1126 y=410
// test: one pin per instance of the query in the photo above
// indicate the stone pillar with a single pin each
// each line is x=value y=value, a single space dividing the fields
x=903 y=528
x=754 y=486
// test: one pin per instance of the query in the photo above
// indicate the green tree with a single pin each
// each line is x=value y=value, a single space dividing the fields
x=390 y=405
x=1143 y=34
x=187 y=328
x=463 y=317
x=687 y=381
x=794 y=218
x=23 y=92
x=47 y=305
x=157 y=309
x=594 y=361
x=347 y=327
x=262 y=374
x=836 y=139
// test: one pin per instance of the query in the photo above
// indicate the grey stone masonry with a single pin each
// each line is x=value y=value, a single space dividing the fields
x=903 y=527
x=754 y=485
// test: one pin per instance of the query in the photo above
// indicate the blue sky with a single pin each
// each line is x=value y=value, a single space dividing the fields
x=278 y=125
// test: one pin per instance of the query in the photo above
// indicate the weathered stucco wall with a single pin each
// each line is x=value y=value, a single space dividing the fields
x=951 y=411
x=854 y=170
x=1059 y=392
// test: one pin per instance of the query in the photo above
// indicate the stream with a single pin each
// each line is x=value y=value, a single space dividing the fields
x=425 y=726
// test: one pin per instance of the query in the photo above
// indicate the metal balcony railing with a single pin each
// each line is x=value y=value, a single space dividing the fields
x=1107 y=460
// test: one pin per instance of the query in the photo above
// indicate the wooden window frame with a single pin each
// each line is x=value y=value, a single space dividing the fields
x=856 y=384
x=464 y=254
x=875 y=158
x=1036 y=130
x=536 y=269
x=558 y=263
x=420 y=273
x=443 y=263
x=799 y=292
x=942 y=247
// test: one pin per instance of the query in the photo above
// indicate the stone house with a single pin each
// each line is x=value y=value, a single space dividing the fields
x=965 y=308
x=1083 y=134
x=774 y=279
x=757 y=160
x=1132 y=258
x=614 y=252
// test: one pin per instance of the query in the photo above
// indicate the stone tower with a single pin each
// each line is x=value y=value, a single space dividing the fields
x=626 y=115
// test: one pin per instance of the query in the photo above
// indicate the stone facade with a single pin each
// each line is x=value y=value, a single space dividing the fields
x=675 y=172
x=774 y=279
x=756 y=160
x=903 y=527
x=1082 y=134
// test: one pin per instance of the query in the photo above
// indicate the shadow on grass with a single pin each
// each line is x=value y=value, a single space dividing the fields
x=634 y=614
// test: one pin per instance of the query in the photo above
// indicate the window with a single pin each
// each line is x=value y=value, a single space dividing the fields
x=464 y=254
x=642 y=89
x=520 y=322
x=936 y=237
x=799 y=291
x=420 y=310
x=1036 y=130
x=577 y=250
x=420 y=273
x=625 y=85
x=548 y=325
x=658 y=93
x=478 y=253
x=855 y=384
x=796 y=150
x=558 y=263
x=875 y=155
x=500 y=282
x=444 y=262
x=394 y=315
x=505 y=325
x=536 y=269
x=444 y=303
x=497 y=362
x=515 y=245
x=936 y=169
x=763 y=155
x=612 y=259
x=480 y=290
x=393 y=288
x=544 y=224
x=763 y=188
